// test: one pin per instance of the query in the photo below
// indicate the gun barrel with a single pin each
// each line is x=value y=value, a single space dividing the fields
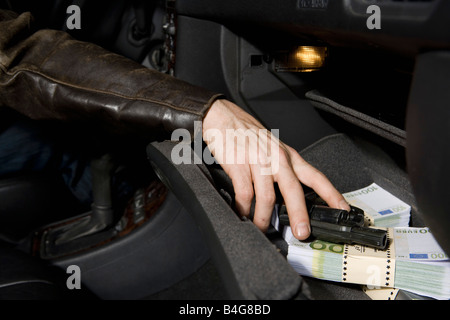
x=372 y=237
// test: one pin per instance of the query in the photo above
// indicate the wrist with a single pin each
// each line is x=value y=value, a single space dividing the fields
x=211 y=116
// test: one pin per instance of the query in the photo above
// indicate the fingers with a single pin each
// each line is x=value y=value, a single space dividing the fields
x=243 y=188
x=316 y=180
x=294 y=200
x=265 y=198
x=249 y=184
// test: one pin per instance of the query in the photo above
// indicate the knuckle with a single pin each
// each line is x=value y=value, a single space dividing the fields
x=267 y=198
x=245 y=194
x=283 y=156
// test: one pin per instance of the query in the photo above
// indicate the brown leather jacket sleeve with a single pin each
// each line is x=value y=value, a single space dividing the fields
x=48 y=75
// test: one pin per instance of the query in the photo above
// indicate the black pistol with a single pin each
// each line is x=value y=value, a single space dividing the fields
x=338 y=226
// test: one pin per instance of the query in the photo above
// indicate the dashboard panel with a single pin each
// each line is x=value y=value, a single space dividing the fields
x=406 y=27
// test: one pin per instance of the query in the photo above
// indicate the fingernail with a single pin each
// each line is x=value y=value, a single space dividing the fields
x=343 y=205
x=303 y=230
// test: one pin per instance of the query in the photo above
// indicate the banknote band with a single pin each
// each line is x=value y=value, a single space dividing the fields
x=372 y=267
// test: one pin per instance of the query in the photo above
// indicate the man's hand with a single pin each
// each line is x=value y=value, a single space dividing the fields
x=254 y=159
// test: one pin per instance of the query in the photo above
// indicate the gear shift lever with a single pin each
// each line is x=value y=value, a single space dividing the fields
x=102 y=214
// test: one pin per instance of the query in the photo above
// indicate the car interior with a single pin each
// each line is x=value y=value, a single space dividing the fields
x=372 y=108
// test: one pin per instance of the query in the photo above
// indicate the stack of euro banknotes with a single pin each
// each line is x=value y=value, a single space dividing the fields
x=413 y=260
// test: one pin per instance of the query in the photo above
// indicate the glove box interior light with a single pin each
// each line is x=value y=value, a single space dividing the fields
x=301 y=59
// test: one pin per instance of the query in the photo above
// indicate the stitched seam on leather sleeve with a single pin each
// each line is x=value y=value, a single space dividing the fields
x=14 y=74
